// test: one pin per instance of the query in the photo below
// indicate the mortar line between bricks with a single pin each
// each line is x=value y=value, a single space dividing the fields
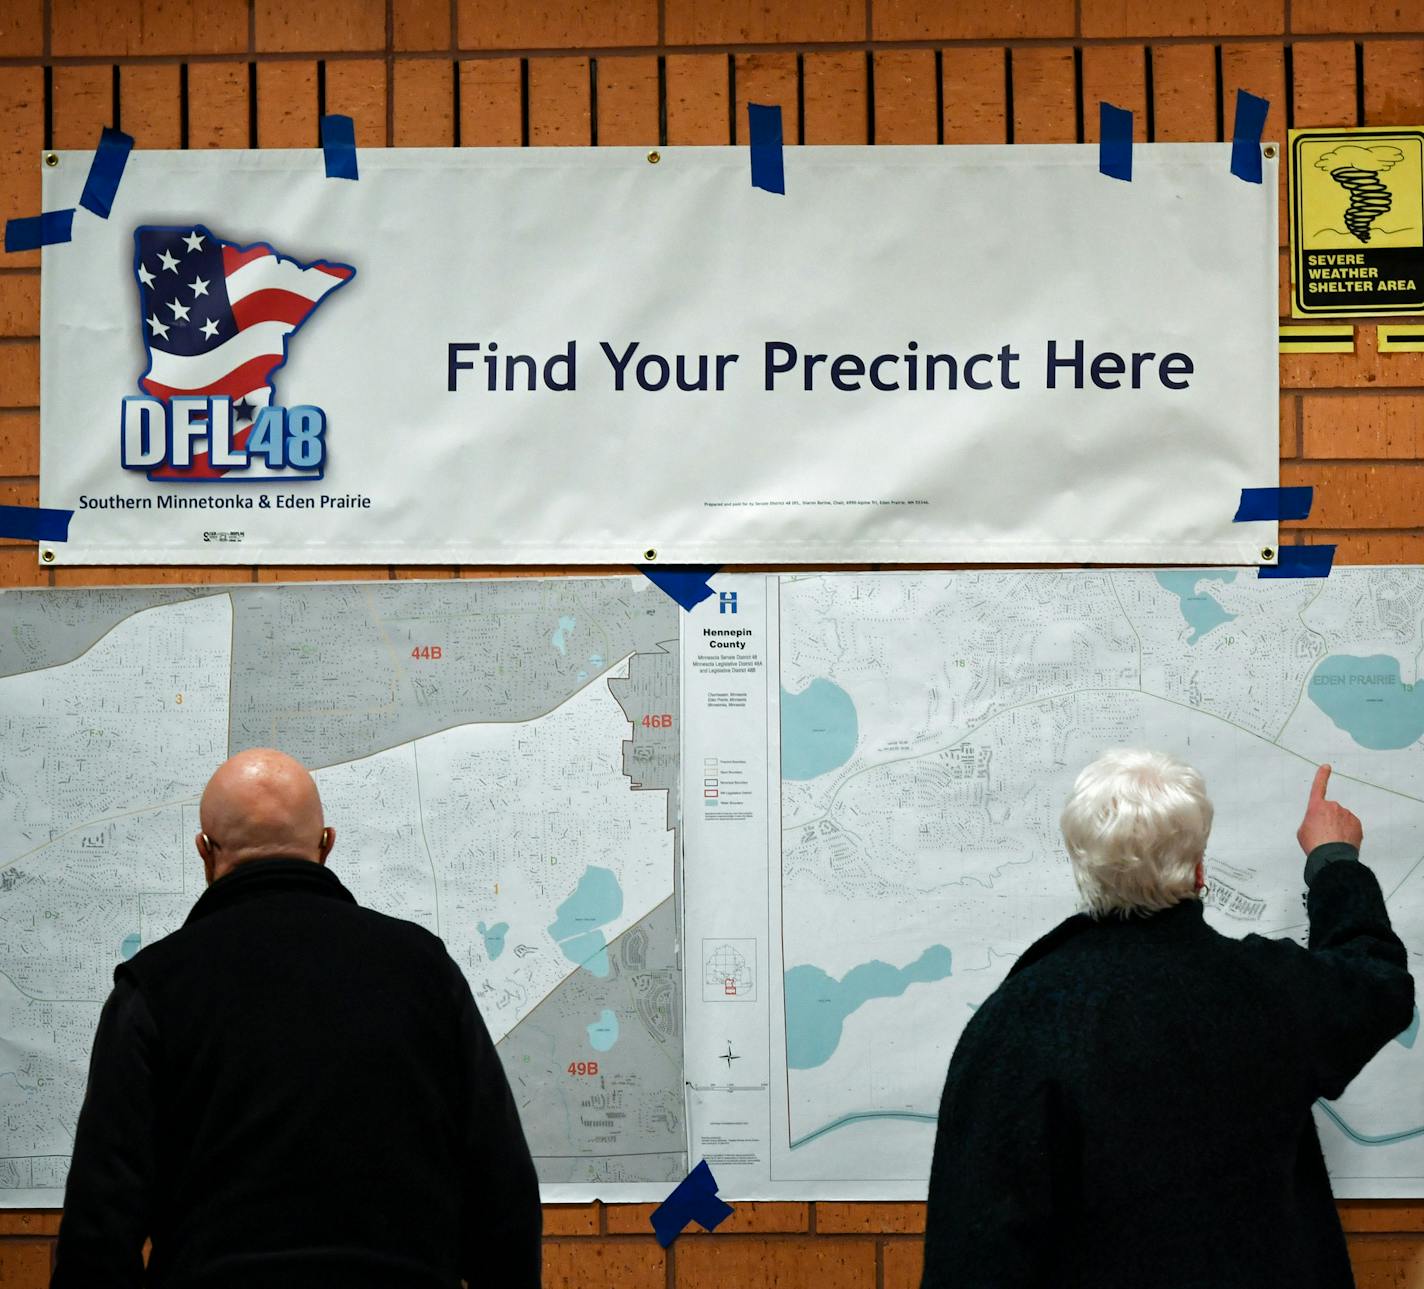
x=733 y=47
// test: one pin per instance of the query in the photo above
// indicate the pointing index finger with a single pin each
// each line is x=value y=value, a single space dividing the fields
x=1317 y=789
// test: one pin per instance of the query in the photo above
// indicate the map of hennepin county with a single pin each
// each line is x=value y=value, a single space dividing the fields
x=931 y=728
x=482 y=750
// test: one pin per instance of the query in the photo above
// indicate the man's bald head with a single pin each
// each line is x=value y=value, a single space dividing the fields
x=261 y=804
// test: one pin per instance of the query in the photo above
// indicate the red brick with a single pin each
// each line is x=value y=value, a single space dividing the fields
x=20 y=566
x=29 y=1221
x=834 y=97
x=870 y=1218
x=286 y=105
x=285 y=27
x=604 y=1264
x=152 y=575
x=1289 y=435
x=1183 y=17
x=763 y=22
x=123 y=28
x=767 y=79
x=357 y=88
x=1363 y=548
x=20 y=373
x=324 y=573
x=571 y=1219
x=421 y=24
x=19 y=443
x=150 y=104
x=975 y=96
x=559 y=113
x=424 y=98
x=747 y=1219
x=1394 y=82
x=24 y=1264
x=904 y=1261
x=1363 y=369
x=83 y=100
x=628 y=101
x=1116 y=74
x=1387 y=1261
x=1382 y=1215
x=491 y=103
x=21 y=28
x=806 y=1262
x=22 y=110
x=217 y=105
x=1321 y=17
x=19 y=304
x=582 y=24
x=1184 y=93
x=422 y=572
x=697 y=87
x=1352 y=426
x=1361 y=496
x=971 y=19
x=1045 y=103
x=905 y=99
x=1323 y=74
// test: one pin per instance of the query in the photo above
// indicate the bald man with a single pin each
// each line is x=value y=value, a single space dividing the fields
x=291 y=1091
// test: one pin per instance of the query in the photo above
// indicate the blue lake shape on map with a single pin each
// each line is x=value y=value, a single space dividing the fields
x=1202 y=612
x=817 y=1004
x=560 y=638
x=493 y=937
x=603 y=1033
x=1406 y=1036
x=130 y=946
x=819 y=728
x=1366 y=698
x=578 y=922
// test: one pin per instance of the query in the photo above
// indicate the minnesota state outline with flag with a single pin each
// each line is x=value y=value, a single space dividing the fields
x=216 y=319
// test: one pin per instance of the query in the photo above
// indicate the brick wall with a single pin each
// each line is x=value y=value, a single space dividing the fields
x=414 y=73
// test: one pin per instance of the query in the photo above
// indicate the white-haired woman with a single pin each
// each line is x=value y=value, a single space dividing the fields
x=1132 y=1107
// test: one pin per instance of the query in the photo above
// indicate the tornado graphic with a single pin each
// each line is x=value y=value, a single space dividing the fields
x=1357 y=170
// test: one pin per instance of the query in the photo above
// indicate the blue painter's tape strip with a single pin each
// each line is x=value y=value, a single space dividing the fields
x=338 y=142
x=1300 y=561
x=105 y=171
x=1274 y=503
x=694 y=1200
x=687 y=585
x=1114 y=142
x=1246 y=136
x=34 y=231
x=35 y=524
x=768 y=169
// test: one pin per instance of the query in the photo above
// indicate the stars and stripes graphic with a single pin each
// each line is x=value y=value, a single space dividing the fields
x=217 y=319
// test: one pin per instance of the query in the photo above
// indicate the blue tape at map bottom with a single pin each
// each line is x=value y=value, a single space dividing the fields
x=687 y=584
x=102 y=184
x=694 y=1200
x=33 y=231
x=768 y=167
x=1115 y=142
x=338 y=142
x=1300 y=561
x=35 y=524
x=1250 y=120
x=1274 y=503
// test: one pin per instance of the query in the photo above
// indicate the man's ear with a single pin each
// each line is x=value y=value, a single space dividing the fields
x=328 y=840
x=205 y=851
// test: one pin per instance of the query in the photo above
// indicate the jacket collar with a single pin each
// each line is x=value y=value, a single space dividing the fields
x=264 y=877
x=1183 y=920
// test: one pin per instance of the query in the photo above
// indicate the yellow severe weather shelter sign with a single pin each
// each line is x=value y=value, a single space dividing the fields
x=1357 y=221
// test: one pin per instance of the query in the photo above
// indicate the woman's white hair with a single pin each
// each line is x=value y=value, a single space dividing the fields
x=1136 y=827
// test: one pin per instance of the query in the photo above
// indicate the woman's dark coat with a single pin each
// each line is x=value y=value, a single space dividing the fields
x=1132 y=1107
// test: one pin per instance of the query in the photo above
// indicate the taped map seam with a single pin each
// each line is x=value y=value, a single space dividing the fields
x=686 y=584
x=693 y=1200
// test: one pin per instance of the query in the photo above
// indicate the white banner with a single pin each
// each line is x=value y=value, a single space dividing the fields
x=578 y=356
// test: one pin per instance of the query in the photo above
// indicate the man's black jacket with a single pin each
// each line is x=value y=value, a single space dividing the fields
x=1132 y=1107
x=295 y=1092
